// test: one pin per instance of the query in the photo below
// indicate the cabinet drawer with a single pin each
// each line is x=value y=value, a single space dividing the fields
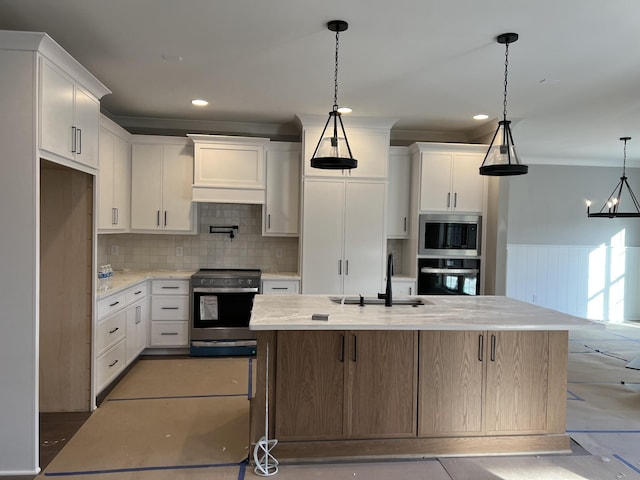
x=170 y=287
x=280 y=286
x=170 y=307
x=110 y=331
x=169 y=334
x=136 y=293
x=111 y=304
x=110 y=364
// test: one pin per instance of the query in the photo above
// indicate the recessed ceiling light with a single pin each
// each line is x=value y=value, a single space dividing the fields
x=480 y=116
x=198 y=102
x=345 y=110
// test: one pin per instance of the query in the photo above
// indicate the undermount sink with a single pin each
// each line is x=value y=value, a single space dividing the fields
x=362 y=301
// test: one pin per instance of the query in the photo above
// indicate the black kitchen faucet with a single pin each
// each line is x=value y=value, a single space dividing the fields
x=387 y=295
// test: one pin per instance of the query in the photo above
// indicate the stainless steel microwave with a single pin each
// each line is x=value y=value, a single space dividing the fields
x=449 y=235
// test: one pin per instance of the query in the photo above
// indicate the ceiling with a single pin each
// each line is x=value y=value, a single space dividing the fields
x=574 y=74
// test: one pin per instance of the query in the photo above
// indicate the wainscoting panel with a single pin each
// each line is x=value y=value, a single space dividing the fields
x=598 y=282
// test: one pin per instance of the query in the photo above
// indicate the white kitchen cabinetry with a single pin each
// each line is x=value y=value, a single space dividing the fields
x=343 y=243
x=161 y=179
x=449 y=178
x=399 y=193
x=169 y=313
x=281 y=210
x=403 y=286
x=114 y=178
x=283 y=286
x=69 y=117
x=121 y=332
x=228 y=169
x=368 y=139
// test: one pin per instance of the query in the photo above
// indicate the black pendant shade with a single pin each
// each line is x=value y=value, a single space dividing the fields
x=502 y=158
x=611 y=207
x=334 y=152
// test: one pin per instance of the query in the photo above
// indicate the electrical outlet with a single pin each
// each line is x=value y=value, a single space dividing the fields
x=279 y=252
x=179 y=251
x=115 y=250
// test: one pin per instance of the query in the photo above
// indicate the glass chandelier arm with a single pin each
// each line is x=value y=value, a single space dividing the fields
x=322 y=136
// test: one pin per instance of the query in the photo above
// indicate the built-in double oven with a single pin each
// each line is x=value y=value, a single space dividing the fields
x=449 y=254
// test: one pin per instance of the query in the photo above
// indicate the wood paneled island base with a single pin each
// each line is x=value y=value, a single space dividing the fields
x=352 y=390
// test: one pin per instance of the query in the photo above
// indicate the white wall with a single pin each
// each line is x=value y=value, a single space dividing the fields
x=18 y=265
x=559 y=258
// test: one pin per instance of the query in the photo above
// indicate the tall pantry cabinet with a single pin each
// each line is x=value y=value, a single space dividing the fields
x=31 y=296
x=343 y=220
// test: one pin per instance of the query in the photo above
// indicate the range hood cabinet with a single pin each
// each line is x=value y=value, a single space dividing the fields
x=228 y=169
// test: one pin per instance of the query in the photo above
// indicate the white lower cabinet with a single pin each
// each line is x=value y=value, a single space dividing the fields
x=277 y=286
x=121 y=332
x=169 y=313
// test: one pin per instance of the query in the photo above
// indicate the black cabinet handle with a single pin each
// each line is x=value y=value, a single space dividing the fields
x=480 y=347
x=342 y=348
x=355 y=348
x=170 y=287
x=170 y=308
x=157 y=218
x=138 y=292
x=114 y=330
x=169 y=333
x=493 y=348
x=79 y=145
x=73 y=139
x=113 y=304
x=113 y=363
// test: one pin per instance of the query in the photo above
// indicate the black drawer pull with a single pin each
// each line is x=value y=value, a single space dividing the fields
x=170 y=308
x=279 y=288
x=169 y=333
x=165 y=287
x=113 y=363
x=114 y=330
x=138 y=292
x=114 y=304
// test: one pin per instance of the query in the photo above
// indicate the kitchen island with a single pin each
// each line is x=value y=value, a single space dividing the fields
x=450 y=376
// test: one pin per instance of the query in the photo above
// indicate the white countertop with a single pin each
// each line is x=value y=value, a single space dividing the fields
x=293 y=312
x=280 y=276
x=122 y=280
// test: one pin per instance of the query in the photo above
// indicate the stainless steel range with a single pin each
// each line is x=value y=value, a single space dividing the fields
x=220 y=309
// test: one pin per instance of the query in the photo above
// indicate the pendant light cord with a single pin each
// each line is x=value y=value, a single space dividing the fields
x=506 y=69
x=624 y=160
x=335 y=76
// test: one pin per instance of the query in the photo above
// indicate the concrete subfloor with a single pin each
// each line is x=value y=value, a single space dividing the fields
x=188 y=418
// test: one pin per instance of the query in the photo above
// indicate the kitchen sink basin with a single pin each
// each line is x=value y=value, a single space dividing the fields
x=362 y=301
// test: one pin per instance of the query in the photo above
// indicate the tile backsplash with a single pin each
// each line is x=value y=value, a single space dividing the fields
x=249 y=249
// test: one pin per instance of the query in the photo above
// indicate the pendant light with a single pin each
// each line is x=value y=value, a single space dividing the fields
x=334 y=152
x=501 y=158
x=611 y=207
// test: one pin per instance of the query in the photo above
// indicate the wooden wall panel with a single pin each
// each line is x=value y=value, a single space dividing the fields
x=66 y=301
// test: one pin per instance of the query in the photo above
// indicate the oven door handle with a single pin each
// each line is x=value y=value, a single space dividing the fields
x=225 y=290
x=450 y=271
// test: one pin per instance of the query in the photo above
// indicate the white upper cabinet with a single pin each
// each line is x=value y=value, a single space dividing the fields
x=368 y=139
x=114 y=178
x=449 y=177
x=228 y=169
x=69 y=117
x=281 y=210
x=399 y=193
x=161 y=180
x=343 y=244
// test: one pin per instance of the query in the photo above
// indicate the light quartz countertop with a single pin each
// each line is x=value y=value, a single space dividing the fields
x=294 y=312
x=122 y=280
x=280 y=276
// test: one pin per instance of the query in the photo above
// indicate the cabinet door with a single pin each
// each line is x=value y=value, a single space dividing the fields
x=364 y=240
x=398 y=195
x=310 y=385
x=323 y=223
x=468 y=184
x=177 y=180
x=121 y=184
x=56 y=111
x=451 y=383
x=106 y=215
x=517 y=382
x=282 y=193
x=87 y=123
x=383 y=373
x=146 y=186
x=435 y=183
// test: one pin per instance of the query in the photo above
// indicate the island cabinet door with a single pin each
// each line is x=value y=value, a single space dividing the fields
x=310 y=379
x=526 y=382
x=452 y=366
x=382 y=396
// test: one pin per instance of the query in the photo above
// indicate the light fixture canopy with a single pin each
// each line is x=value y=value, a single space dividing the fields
x=333 y=152
x=502 y=158
x=611 y=208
